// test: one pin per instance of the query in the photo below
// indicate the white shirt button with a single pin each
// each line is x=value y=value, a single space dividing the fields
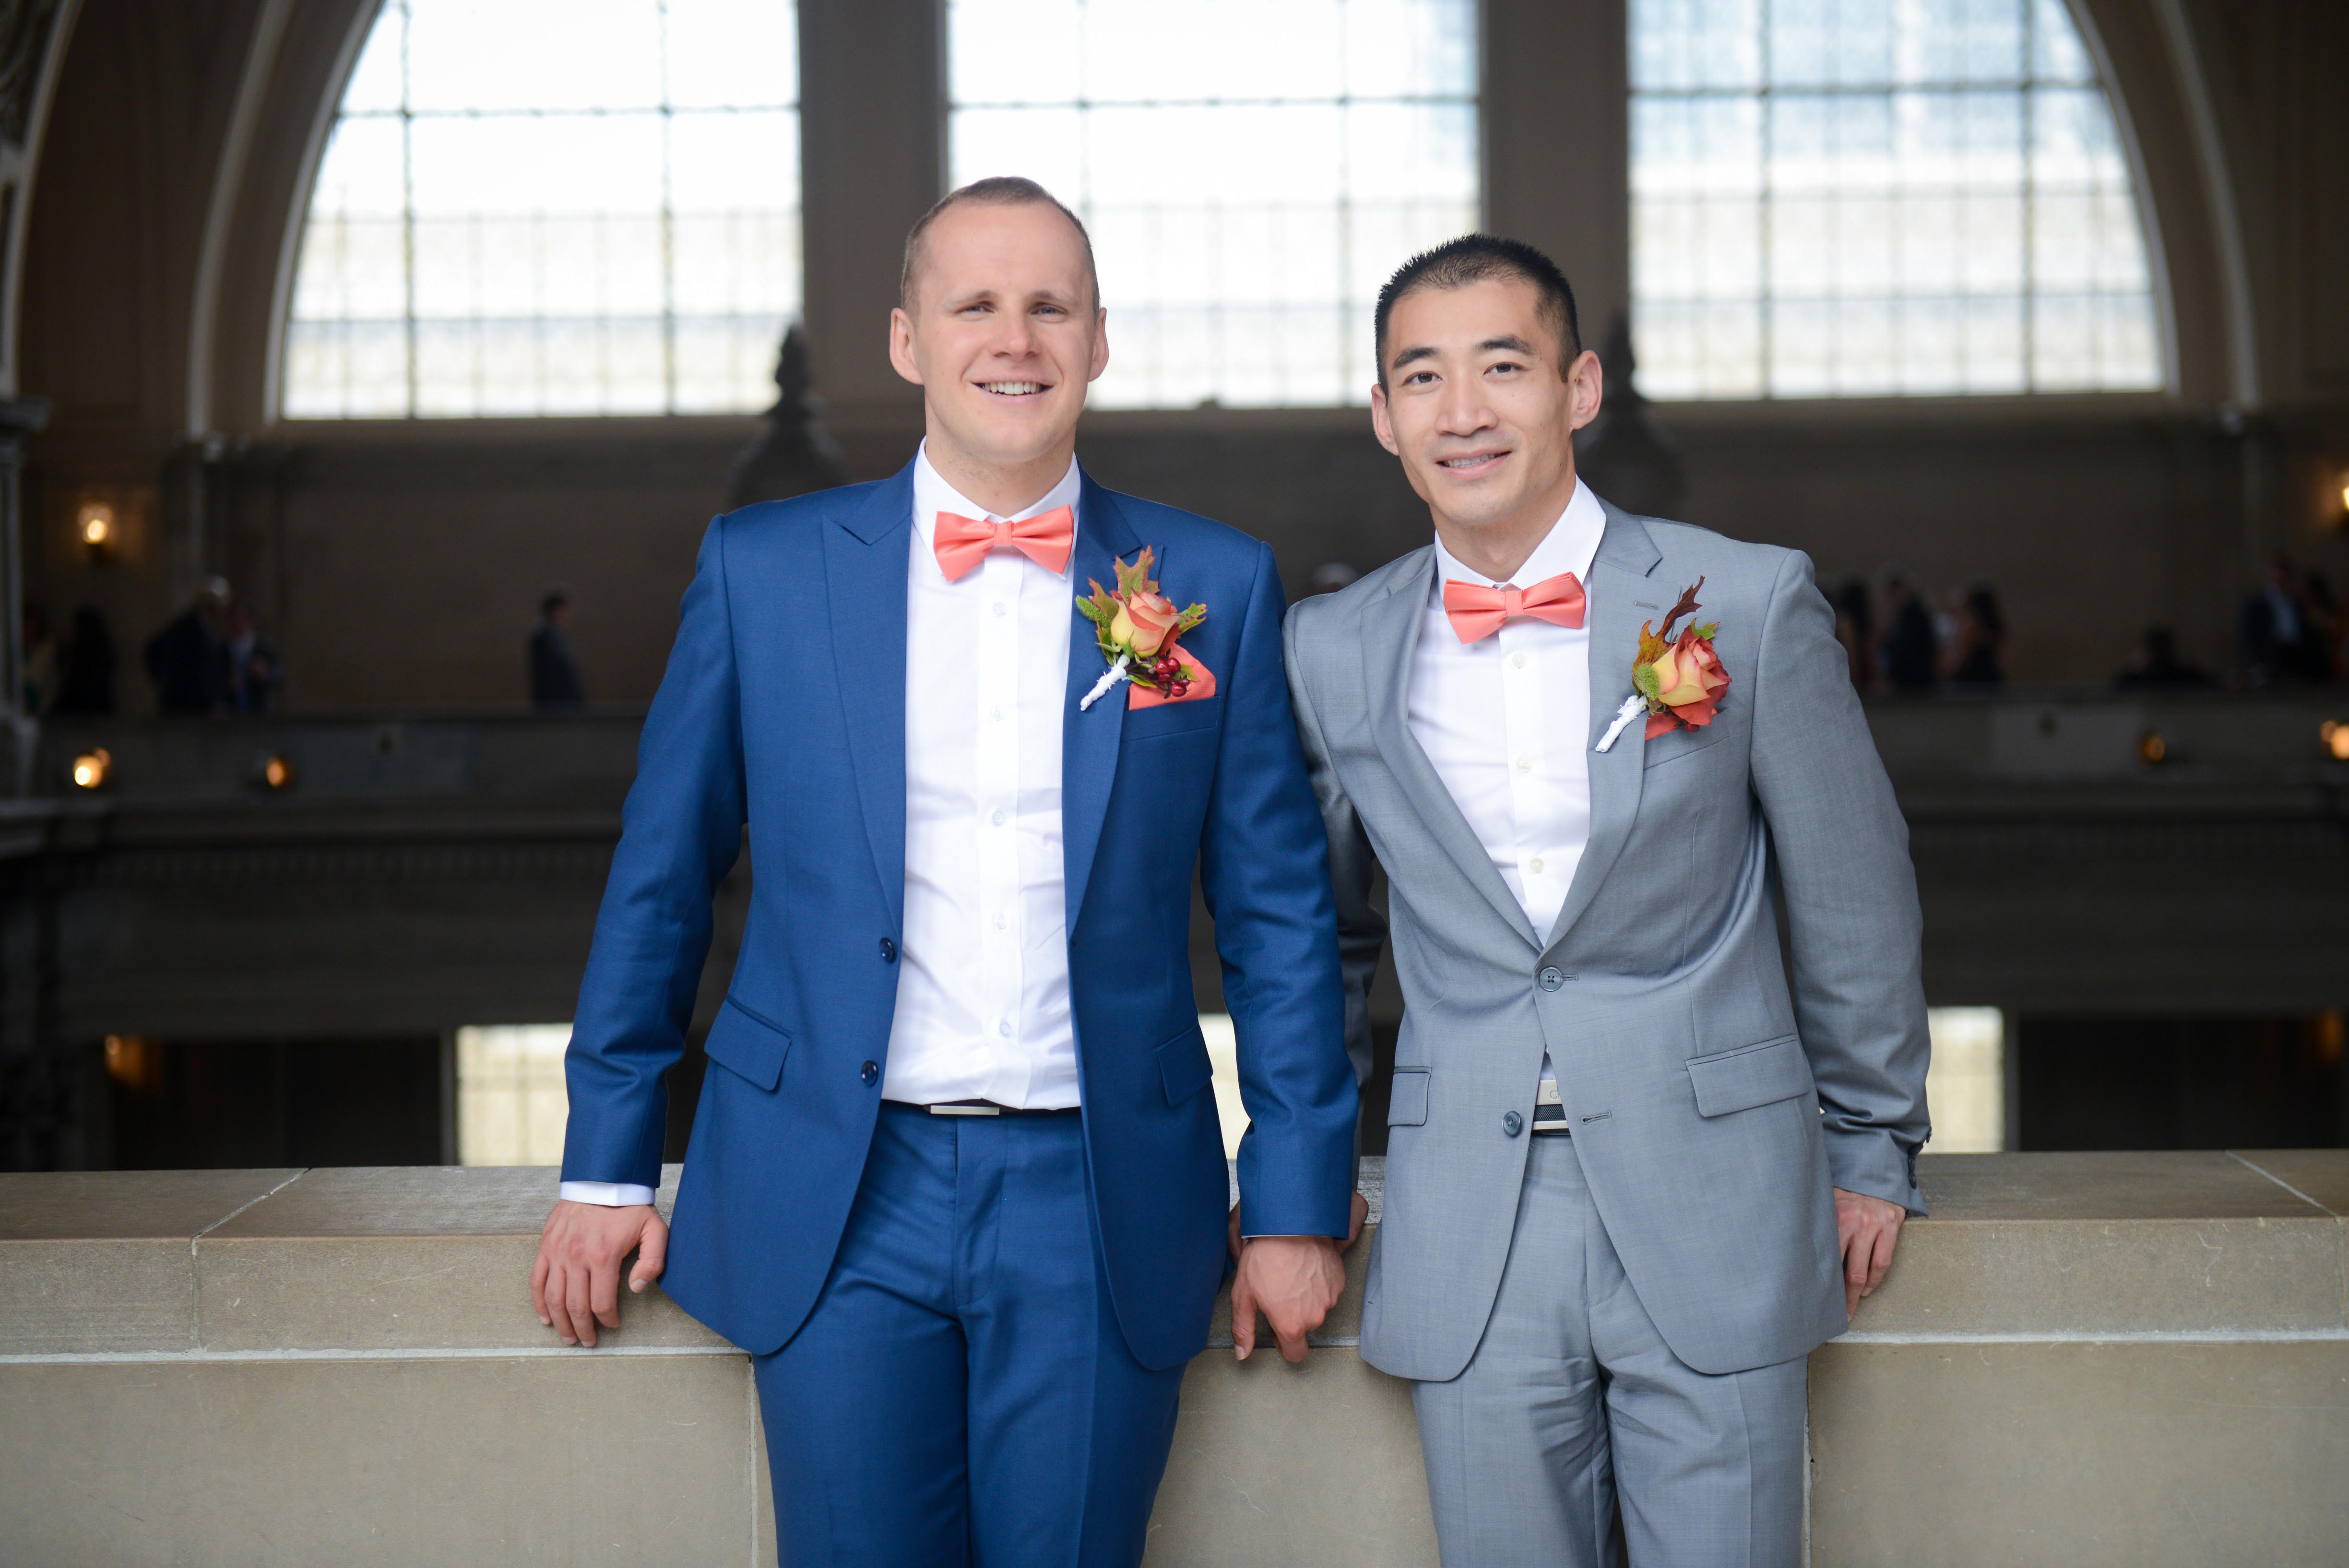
x=1002 y=921
x=1525 y=764
x=1001 y=610
x=1004 y=1028
x=996 y=817
x=1537 y=862
x=1518 y=660
x=996 y=714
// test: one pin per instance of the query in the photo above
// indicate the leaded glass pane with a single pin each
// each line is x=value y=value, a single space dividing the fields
x=514 y=217
x=1245 y=202
x=1864 y=197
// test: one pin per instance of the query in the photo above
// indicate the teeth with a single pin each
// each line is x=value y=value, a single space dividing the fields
x=1466 y=461
x=1013 y=389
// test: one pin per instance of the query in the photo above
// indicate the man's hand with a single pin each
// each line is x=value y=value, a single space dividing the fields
x=1293 y=1280
x=1867 y=1229
x=575 y=1283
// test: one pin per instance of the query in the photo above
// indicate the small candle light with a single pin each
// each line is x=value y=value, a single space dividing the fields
x=93 y=768
x=94 y=526
x=2335 y=736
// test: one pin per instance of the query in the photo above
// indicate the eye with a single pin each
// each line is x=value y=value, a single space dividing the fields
x=1503 y=367
x=1420 y=378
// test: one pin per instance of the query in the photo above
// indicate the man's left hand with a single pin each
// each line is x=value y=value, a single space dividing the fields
x=1867 y=1229
x=1293 y=1280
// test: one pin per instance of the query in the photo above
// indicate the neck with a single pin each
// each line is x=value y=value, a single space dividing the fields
x=1002 y=488
x=1499 y=547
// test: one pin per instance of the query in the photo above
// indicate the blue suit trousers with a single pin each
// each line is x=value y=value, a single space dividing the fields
x=962 y=1394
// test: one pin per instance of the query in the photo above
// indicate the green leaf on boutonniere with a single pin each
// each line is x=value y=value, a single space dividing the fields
x=1643 y=677
x=1189 y=618
x=1704 y=633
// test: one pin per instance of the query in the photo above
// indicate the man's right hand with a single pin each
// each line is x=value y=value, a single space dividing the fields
x=575 y=1283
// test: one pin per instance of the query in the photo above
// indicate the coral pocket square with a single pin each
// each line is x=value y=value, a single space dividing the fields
x=1202 y=683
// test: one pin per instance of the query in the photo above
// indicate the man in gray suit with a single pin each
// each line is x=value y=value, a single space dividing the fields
x=1633 y=1175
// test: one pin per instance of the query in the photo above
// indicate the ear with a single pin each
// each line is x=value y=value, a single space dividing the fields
x=1586 y=386
x=1382 y=422
x=901 y=345
x=1101 y=344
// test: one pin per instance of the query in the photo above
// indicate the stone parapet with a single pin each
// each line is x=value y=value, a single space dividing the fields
x=2079 y=1359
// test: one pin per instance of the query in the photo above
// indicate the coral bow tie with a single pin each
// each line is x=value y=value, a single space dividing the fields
x=962 y=543
x=1477 y=612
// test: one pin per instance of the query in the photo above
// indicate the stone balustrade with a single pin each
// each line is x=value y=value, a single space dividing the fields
x=2079 y=1360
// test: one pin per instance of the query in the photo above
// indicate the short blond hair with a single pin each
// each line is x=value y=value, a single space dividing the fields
x=996 y=191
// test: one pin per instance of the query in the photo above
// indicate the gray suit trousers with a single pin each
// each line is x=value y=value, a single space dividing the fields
x=1573 y=1400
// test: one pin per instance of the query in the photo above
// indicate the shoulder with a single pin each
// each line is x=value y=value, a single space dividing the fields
x=1333 y=619
x=1218 y=546
x=764 y=520
x=1735 y=565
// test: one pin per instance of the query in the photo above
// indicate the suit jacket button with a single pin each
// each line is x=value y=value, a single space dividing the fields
x=1512 y=1123
x=1552 y=978
x=871 y=1073
x=888 y=951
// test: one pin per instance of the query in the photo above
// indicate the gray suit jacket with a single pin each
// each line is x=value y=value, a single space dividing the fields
x=1712 y=1106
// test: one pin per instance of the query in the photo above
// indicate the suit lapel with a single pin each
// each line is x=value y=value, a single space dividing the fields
x=1622 y=595
x=865 y=563
x=1089 y=739
x=1391 y=628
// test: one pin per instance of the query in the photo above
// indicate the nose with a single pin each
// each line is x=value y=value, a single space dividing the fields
x=1462 y=409
x=1015 y=340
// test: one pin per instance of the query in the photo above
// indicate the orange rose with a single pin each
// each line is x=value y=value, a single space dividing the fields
x=1143 y=621
x=1694 y=681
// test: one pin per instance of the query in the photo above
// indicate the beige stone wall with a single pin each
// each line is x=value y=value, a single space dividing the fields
x=2079 y=1360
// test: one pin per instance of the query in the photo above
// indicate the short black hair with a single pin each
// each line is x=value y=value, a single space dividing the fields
x=1473 y=258
x=995 y=191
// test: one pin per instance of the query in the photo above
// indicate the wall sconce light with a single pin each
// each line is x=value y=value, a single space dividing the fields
x=2151 y=748
x=2335 y=736
x=96 y=527
x=273 y=772
x=93 y=768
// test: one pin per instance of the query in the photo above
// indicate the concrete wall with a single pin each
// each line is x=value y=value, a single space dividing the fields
x=2079 y=1360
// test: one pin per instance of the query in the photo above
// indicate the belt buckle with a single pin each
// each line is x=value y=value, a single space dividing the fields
x=966 y=1108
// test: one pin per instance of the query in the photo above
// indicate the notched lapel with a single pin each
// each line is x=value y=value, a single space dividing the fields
x=865 y=561
x=1622 y=595
x=1391 y=628
x=1089 y=739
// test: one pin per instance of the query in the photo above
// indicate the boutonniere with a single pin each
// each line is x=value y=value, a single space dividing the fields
x=1140 y=631
x=1677 y=681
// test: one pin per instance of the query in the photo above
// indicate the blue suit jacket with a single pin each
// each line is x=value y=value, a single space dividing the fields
x=784 y=707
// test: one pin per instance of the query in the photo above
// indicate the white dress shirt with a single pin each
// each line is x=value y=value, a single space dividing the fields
x=1506 y=720
x=983 y=960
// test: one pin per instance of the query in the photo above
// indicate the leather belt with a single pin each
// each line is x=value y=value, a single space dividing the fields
x=988 y=1109
x=1549 y=1113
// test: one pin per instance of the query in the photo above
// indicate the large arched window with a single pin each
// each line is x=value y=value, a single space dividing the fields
x=1250 y=172
x=589 y=208
x=1862 y=197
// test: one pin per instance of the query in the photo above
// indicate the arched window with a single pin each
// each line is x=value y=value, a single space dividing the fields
x=1250 y=172
x=1861 y=197
x=590 y=208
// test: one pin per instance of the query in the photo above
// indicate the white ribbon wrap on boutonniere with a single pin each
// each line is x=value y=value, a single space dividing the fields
x=1109 y=677
x=1633 y=707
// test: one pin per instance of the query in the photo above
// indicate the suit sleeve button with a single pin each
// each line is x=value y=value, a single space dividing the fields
x=871 y=1073
x=1512 y=1123
x=888 y=951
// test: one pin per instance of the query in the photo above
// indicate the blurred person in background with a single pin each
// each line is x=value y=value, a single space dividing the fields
x=40 y=661
x=252 y=671
x=1855 y=627
x=2274 y=629
x=2155 y=663
x=1981 y=645
x=1911 y=651
x=85 y=665
x=553 y=674
x=186 y=660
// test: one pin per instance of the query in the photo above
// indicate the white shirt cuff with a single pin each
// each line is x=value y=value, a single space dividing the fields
x=610 y=1194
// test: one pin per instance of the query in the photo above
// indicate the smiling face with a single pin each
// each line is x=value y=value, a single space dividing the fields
x=1483 y=414
x=1001 y=331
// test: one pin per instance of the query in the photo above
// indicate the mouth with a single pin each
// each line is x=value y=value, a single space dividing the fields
x=1471 y=464
x=1014 y=391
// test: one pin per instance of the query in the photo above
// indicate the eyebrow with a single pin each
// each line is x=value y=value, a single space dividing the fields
x=1507 y=343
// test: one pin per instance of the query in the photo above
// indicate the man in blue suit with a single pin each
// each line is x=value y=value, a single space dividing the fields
x=956 y=1179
